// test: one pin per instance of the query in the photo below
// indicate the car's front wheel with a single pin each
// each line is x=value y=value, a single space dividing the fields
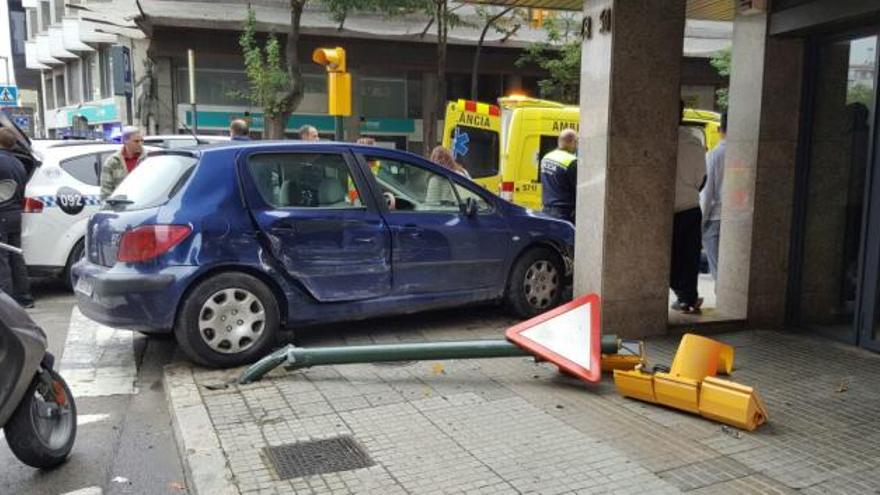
x=536 y=283
x=227 y=320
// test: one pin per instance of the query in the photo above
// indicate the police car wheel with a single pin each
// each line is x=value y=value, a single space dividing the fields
x=227 y=320
x=536 y=283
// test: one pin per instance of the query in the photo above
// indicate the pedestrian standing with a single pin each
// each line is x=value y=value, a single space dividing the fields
x=559 y=177
x=239 y=131
x=13 y=179
x=710 y=199
x=118 y=165
x=686 y=226
x=308 y=133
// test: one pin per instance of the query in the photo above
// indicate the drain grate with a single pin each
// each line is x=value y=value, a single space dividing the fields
x=296 y=460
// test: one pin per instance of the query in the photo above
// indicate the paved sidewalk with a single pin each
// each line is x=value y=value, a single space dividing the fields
x=513 y=426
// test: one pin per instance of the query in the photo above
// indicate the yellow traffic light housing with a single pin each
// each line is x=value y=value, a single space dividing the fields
x=338 y=80
x=331 y=58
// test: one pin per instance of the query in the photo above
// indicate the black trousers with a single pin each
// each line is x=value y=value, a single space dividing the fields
x=686 y=244
x=13 y=272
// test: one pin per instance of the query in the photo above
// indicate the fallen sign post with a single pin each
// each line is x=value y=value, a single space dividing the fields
x=550 y=336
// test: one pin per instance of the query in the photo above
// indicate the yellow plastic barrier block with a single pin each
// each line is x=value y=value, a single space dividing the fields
x=698 y=357
x=732 y=403
x=611 y=362
x=680 y=393
x=635 y=384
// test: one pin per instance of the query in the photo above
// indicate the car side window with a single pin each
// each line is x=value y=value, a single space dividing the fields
x=464 y=193
x=304 y=180
x=408 y=187
x=84 y=168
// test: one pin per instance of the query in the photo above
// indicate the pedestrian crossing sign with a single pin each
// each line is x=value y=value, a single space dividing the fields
x=568 y=336
x=8 y=95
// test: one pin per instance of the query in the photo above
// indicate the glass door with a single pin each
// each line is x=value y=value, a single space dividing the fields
x=837 y=224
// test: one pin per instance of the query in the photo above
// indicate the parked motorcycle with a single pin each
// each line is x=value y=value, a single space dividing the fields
x=37 y=410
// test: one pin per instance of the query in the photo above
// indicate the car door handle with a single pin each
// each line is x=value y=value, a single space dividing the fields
x=364 y=240
x=411 y=231
x=283 y=228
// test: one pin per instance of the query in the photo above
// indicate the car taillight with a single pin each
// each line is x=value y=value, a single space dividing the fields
x=148 y=241
x=32 y=205
x=507 y=191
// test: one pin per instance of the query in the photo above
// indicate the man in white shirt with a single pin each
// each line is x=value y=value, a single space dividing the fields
x=686 y=235
x=710 y=198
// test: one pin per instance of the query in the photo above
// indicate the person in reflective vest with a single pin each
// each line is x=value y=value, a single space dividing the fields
x=559 y=177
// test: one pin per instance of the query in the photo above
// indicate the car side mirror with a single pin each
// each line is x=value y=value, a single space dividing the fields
x=470 y=207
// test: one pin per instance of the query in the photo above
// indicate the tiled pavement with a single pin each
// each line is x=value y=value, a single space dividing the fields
x=513 y=426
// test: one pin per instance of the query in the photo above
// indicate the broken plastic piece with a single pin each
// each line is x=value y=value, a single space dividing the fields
x=691 y=386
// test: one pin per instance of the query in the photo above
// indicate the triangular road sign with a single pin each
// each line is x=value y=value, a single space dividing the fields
x=568 y=336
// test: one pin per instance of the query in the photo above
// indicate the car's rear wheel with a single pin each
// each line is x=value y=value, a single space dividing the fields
x=227 y=320
x=536 y=283
x=76 y=254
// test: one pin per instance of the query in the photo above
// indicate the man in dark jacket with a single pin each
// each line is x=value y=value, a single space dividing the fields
x=559 y=177
x=13 y=178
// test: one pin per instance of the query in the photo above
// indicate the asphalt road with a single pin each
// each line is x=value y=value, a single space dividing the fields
x=125 y=442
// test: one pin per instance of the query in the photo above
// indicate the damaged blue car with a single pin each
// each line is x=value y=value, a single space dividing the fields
x=227 y=245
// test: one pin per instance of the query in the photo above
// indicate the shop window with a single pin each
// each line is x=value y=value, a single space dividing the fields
x=382 y=97
x=228 y=87
x=50 y=91
x=60 y=97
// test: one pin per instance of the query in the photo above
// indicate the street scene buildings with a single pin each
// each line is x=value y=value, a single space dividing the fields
x=502 y=246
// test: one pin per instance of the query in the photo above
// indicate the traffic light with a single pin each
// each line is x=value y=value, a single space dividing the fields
x=338 y=80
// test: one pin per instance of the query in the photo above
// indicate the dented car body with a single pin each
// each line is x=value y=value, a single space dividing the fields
x=335 y=231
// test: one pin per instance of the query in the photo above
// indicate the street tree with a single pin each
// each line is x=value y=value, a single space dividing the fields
x=721 y=63
x=506 y=21
x=560 y=56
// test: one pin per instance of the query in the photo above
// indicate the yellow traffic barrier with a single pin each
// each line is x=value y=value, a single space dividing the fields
x=691 y=386
x=731 y=403
x=629 y=355
x=698 y=357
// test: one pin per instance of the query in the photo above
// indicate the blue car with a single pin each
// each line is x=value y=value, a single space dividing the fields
x=227 y=245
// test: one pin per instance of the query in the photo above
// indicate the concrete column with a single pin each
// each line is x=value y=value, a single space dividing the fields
x=626 y=169
x=765 y=96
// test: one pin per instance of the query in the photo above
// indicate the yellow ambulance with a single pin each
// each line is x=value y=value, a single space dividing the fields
x=502 y=146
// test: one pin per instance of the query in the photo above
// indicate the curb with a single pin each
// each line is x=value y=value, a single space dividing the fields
x=204 y=464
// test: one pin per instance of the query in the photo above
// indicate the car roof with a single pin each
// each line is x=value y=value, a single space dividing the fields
x=56 y=154
x=312 y=145
x=169 y=137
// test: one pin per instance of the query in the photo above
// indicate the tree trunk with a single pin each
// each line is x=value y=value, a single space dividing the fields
x=295 y=95
x=476 y=66
x=274 y=125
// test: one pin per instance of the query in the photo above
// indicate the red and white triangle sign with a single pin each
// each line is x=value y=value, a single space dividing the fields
x=568 y=336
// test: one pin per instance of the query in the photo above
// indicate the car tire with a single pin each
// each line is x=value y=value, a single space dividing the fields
x=536 y=283
x=76 y=254
x=243 y=304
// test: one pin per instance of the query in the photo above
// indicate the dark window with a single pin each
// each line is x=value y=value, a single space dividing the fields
x=304 y=180
x=481 y=157
x=408 y=187
x=60 y=96
x=85 y=168
x=546 y=145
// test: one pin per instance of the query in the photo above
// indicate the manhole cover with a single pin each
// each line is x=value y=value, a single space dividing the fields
x=296 y=460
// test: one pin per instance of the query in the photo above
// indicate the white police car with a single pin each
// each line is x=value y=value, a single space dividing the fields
x=60 y=196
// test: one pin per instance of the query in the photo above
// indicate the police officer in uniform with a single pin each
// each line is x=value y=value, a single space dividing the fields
x=559 y=177
x=13 y=177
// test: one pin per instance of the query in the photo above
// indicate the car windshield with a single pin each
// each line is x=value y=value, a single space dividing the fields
x=153 y=182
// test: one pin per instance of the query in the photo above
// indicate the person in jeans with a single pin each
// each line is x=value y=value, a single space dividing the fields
x=688 y=219
x=13 y=178
x=559 y=177
x=710 y=199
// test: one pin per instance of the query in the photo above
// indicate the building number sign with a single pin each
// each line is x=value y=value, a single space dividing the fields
x=604 y=21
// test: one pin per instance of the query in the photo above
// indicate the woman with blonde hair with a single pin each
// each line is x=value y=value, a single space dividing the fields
x=443 y=157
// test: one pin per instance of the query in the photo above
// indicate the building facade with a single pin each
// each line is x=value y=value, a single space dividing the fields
x=392 y=61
